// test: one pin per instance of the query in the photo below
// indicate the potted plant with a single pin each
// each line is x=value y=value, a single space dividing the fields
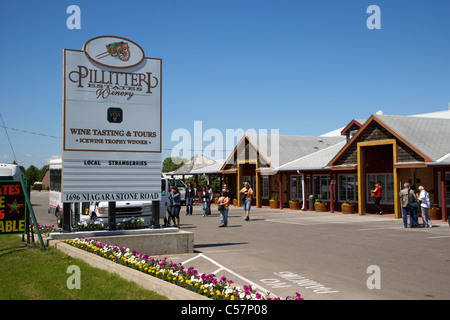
x=235 y=201
x=274 y=202
x=434 y=212
x=294 y=204
x=319 y=205
x=348 y=207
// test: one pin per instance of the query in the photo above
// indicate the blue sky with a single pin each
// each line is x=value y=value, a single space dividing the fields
x=304 y=67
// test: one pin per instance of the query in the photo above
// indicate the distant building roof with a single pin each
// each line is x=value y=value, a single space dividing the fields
x=316 y=160
x=445 y=114
x=198 y=161
x=290 y=147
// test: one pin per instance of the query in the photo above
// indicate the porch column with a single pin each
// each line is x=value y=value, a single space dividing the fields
x=331 y=193
x=280 y=189
x=258 y=190
x=361 y=181
x=258 y=187
x=443 y=196
x=239 y=183
x=304 y=196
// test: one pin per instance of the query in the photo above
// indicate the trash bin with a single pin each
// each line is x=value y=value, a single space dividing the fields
x=311 y=202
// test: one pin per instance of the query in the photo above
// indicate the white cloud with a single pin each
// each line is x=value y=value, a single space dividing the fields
x=52 y=158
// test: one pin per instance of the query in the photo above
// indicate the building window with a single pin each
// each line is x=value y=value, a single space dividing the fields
x=55 y=180
x=386 y=181
x=265 y=187
x=348 y=188
x=296 y=188
x=321 y=185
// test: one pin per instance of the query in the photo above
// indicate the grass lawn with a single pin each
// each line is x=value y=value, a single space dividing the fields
x=31 y=274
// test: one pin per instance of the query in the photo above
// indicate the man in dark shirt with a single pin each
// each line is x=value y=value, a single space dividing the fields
x=190 y=194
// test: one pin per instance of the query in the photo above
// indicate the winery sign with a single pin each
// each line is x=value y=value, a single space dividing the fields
x=111 y=122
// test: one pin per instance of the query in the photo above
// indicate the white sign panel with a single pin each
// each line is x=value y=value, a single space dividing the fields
x=111 y=122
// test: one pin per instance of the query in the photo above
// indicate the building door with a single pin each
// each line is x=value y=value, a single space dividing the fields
x=376 y=163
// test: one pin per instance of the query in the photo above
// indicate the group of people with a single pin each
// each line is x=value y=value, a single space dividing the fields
x=410 y=201
x=206 y=196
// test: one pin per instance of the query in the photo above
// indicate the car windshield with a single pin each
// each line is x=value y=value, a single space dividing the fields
x=177 y=182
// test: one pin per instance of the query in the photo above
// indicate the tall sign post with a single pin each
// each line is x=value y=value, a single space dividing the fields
x=111 y=123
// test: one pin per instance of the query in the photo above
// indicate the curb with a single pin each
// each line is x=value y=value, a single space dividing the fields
x=169 y=290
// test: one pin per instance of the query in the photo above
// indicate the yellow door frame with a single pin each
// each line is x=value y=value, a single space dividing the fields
x=361 y=174
x=240 y=176
x=239 y=182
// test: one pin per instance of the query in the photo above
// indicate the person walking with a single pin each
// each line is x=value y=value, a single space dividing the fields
x=169 y=209
x=246 y=196
x=424 y=199
x=190 y=194
x=224 y=201
x=176 y=206
x=406 y=198
x=210 y=192
x=415 y=206
x=377 y=195
x=205 y=201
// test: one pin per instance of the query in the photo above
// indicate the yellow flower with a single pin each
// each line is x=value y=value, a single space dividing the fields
x=232 y=298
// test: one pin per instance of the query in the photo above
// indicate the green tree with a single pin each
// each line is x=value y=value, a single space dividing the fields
x=42 y=171
x=170 y=164
x=32 y=174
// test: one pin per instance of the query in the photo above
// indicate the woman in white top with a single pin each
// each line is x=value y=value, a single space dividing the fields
x=424 y=199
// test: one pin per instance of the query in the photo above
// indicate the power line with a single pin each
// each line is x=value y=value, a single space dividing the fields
x=10 y=144
x=30 y=132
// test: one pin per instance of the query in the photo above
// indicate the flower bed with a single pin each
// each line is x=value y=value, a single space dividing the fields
x=131 y=223
x=43 y=229
x=175 y=273
x=89 y=225
x=125 y=223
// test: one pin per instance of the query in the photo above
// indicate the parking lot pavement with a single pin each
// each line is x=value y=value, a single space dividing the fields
x=320 y=255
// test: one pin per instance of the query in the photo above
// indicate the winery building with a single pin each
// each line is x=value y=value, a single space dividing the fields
x=344 y=168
